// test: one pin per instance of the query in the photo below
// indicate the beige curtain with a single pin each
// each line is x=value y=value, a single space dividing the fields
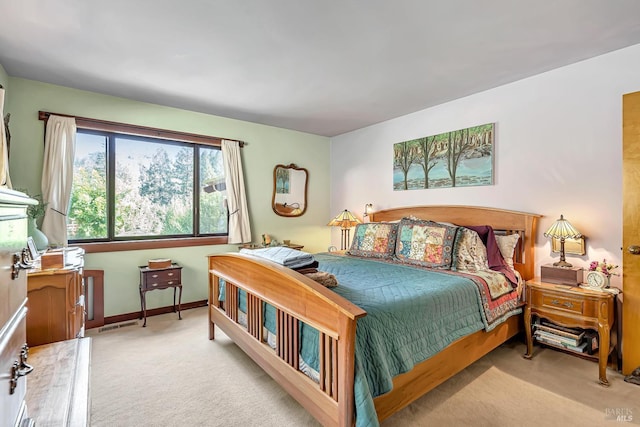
x=5 y=181
x=57 y=176
x=239 y=228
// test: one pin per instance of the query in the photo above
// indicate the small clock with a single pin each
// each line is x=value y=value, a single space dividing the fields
x=596 y=279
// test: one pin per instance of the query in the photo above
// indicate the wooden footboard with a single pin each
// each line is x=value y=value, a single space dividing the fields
x=296 y=298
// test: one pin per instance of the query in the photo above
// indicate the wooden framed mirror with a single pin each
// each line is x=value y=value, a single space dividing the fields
x=289 y=190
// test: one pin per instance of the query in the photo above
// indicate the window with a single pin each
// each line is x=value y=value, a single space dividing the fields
x=129 y=187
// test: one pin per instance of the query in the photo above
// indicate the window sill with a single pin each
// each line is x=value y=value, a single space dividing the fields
x=136 y=245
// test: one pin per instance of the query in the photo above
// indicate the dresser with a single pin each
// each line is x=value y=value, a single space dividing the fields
x=13 y=308
x=56 y=301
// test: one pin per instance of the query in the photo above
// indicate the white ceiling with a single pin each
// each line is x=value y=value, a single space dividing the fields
x=321 y=66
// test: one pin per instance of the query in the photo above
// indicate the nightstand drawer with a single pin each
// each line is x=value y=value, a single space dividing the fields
x=162 y=275
x=557 y=301
x=158 y=279
x=563 y=303
x=160 y=285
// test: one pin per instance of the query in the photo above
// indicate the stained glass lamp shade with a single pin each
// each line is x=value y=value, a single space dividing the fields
x=345 y=220
x=562 y=229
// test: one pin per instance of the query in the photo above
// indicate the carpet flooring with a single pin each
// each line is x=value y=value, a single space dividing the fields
x=170 y=374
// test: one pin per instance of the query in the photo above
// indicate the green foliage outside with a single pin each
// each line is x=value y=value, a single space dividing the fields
x=154 y=200
x=88 y=208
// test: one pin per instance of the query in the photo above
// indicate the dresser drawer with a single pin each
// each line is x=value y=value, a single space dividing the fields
x=12 y=338
x=13 y=237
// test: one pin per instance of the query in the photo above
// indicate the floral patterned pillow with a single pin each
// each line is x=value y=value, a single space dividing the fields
x=374 y=240
x=425 y=243
x=469 y=253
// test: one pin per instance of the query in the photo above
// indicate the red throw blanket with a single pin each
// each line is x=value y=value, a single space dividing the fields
x=495 y=258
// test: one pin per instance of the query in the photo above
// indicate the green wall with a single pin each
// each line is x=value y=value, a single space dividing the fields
x=266 y=147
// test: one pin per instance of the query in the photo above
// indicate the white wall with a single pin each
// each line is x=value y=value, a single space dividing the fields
x=558 y=150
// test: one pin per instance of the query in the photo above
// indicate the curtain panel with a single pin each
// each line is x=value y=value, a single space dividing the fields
x=5 y=181
x=239 y=227
x=57 y=176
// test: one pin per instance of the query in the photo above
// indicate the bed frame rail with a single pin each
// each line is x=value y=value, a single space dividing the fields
x=296 y=299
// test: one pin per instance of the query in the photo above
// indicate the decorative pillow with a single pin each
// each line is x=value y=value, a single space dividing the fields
x=469 y=253
x=425 y=243
x=507 y=245
x=374 y=240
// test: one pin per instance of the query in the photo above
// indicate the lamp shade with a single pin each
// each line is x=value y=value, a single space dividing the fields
x=562 y=229
x=344 y=219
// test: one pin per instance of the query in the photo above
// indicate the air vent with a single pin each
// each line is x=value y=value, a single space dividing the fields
x=117 y=326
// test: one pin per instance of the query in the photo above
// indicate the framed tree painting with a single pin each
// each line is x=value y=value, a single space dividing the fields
x=459 y=158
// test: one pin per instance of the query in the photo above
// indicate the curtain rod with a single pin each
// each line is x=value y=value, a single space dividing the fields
x=97 y=124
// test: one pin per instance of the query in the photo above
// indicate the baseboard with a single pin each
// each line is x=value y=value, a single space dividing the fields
x=152 y=312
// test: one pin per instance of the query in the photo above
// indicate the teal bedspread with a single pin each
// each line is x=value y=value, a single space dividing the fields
x=412 y=314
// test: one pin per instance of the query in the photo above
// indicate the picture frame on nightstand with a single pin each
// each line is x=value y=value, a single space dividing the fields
x=33 y=250
x=571 y=246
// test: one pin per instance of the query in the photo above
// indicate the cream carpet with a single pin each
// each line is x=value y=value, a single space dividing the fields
x=170 y=374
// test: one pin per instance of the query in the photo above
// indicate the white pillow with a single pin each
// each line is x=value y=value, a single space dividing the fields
x=507 y=244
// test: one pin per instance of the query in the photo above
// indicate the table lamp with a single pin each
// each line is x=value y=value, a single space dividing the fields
x=368 y=210
x=561 y=230
x=345 y=220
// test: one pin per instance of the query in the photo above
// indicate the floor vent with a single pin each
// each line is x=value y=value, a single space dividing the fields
x=117 y=326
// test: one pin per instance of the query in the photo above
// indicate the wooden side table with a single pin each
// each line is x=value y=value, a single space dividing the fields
x=160 y=278
x=572 y=307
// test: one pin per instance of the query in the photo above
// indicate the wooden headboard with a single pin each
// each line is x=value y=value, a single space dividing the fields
x=501 y=220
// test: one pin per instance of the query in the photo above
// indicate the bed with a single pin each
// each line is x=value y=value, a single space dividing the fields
x=297 y=302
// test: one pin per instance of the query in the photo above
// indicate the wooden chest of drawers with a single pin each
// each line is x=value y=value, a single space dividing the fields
x=56 y=302
x=13 y=310
x=160 y=278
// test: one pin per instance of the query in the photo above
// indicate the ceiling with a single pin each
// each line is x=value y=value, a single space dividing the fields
x=320 y=66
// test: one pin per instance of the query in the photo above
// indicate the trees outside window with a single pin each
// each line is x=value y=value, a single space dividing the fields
x=130 y=188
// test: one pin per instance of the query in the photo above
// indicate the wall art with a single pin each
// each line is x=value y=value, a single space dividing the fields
x=459 y=158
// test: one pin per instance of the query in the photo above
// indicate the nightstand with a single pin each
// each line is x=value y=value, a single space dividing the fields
x=572 y=307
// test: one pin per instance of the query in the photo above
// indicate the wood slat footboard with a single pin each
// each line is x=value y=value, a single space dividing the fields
x=296 y=299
